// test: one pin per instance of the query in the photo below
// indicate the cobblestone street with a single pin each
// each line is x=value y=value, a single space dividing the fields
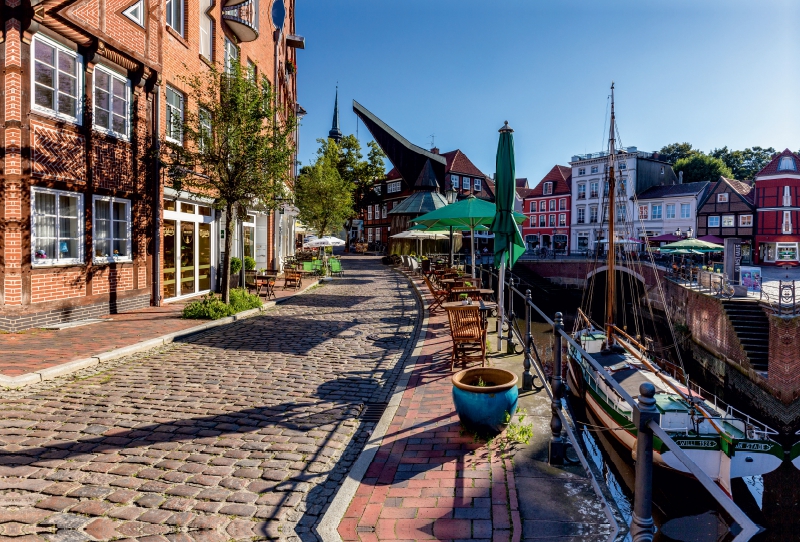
x=243 y=432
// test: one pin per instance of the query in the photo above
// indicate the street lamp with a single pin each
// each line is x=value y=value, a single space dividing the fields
x=689 y=233
x=678 y=232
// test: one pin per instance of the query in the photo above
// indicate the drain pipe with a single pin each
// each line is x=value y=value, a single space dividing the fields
x=158 y=200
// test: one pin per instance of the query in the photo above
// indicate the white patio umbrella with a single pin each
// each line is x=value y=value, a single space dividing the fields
x=326 y=241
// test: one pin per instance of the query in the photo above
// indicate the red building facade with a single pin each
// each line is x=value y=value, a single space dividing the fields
x=547 y=207
x=778 y=211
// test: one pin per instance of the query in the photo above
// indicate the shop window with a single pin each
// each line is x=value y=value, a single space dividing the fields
x=111 y=98
x=57 y=229
x=111 y=229
x=56 y=79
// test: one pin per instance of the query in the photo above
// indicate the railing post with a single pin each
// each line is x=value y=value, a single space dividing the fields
x=642 y=526
x=511 y=315
x=480 y=275
x=556 y=456
x=527 y=377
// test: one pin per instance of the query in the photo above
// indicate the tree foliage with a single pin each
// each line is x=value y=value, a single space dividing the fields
x=675 y=151
x=701 y=167
x=744 y=164
x=237 y=147
x=323 y=197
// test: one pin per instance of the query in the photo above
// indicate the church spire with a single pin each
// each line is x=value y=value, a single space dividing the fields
x=336 y=133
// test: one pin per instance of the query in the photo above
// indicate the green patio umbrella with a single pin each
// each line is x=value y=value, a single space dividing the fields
x=508 y=243
x=694 y=244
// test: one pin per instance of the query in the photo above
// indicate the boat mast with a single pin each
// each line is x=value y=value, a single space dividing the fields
x=610 y=290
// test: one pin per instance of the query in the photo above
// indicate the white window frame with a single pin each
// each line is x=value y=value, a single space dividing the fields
x=714 y=222
x=551 y=221
x=670 y=215
x=532 y=221
x=722 y=197
x=552 y=205
x=582 y=191
x=594 y=189
x=581 y=215
x=369 y=212
x=383 y=211
x=231 y=53
x=477 y=185
x=728 y=221
x=49 y=262
x=205 y=122
x=543 y=206
x=206 y=30
x=547 y=189
x=377 y=211
x=653 y=208
x=688 y=208
x=377 y=235
x=169 y=107
x=593 y=215
x=128 y=99
x=78 y=118
x=787 y=196
x=128 y=229
x=786 y=163
x=595 y=169
x=542 y=221
x=562 y=220
x=181 y=14
x=623 y=165
x=745 y=223
x=581 y=171
x=369 y=235
x=644 y=212
x=532 y=207
x=786 y=223
x=454 y=181
x=465 y=183
x=562 y=204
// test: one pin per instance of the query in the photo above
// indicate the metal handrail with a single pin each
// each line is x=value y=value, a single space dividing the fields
x=748 y=527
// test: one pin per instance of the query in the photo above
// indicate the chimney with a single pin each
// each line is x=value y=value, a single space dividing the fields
x=680 y=177
x=435 y=150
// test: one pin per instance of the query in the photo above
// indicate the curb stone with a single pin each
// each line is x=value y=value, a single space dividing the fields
x=327 y=529
x=76 y=365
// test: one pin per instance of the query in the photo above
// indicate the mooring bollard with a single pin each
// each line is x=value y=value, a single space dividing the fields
x=527 y=377
x=642 y=526
x=556 y=440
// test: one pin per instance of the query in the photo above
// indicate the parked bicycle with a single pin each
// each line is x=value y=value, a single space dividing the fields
x=723 y=288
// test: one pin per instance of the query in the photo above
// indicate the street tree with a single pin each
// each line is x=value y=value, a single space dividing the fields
x=324 y=198
x=701 y=167
x=675 y=151
x=744 y=164
x=235 y=145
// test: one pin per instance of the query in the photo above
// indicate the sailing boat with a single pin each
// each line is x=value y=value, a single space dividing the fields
x=721 y=440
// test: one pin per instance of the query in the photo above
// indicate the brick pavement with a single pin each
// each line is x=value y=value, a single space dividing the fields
x=429 y=479
x=242 y=432
x=37 y=349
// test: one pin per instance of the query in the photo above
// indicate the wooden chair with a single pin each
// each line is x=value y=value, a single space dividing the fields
x=471 y=292
x=469 y=336
x=439 y=296
x=293 y=279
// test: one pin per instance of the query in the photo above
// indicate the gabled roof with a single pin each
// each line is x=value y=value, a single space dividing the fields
x=742 y=189
x=772 y=167
x=522 y=182
x=393 y=175
x=560 y=176
x=674 y=190
x=457 y=162
x=523 y=193
x=419 y=203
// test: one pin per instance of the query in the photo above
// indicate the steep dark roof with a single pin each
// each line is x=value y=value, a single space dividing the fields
x=426 y=179
x=743 y=189
x=522 y=182
x=772 y=167
x=524 y=192
x=674 y=190
x=560 y=176
x=457 y=162
x=419 y=203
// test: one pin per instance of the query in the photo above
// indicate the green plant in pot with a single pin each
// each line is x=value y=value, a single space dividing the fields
x=236 y=265
x=249 y=263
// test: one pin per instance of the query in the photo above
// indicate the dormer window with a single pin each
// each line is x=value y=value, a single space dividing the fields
x=548 y=189
x=787 y=164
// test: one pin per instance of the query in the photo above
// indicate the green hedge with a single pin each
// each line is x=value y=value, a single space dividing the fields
x=210 y=307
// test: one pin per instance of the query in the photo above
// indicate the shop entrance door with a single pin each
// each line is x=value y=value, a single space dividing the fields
x=188 y=250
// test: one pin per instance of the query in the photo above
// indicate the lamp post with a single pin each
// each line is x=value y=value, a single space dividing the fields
x=452 y=195
x=678 y=232
x=689 y=233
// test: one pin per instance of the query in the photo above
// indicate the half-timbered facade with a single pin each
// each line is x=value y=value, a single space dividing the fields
x=728 y=210
x=777 y=188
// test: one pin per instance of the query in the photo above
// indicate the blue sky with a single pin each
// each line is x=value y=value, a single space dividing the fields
x=710 y=72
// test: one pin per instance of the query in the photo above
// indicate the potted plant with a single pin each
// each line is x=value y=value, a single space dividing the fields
x=485 y=398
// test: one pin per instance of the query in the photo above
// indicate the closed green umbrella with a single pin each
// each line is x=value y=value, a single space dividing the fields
x=508 y=243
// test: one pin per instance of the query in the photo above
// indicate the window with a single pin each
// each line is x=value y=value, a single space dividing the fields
x=727 y=221
x=623 y=165
x=465 y=183
x=562 y=205
x=377 y=235
x=581 y=191
x=686 y=210
x=136 y=13
x=383 y=211
x=643 y=212
x=594 y=188
x=621 y=213
x=745 y=221
x=175 y=15
x=787 y=222
x=111 y=94
x=205 y=128
x=786 y=163
x=476 y=183
x=593 y=215
x=552 y=221
x=713 y=222
x=542 y=221
x=57 y=227
x=655 y=211
x=111 y=229
x=206 y=29
x=532 y=221
x=391 y=188
x=722 y=198
x=581 y=171
x=542 y=206
x=594 y=169
x=552 y=205
x=787 y=196
x=369 y=212
x=581 y=215
x=670 y=210
x=562 y=220
x=252 y=71
x=377 y=189
x=231 y=55
x=533 y=207
x=56 y=79
x=454 y=181
x=174 y=115
x=547 y=189
x=369 y=235
x=377 y=211
x=662 y=170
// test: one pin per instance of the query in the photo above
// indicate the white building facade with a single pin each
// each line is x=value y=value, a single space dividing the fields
x=669 y=209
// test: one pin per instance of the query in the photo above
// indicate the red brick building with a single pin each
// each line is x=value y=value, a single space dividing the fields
x=547 y=207
x=778 y=210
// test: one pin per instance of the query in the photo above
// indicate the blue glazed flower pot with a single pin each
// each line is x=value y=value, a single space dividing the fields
x=485 y=408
